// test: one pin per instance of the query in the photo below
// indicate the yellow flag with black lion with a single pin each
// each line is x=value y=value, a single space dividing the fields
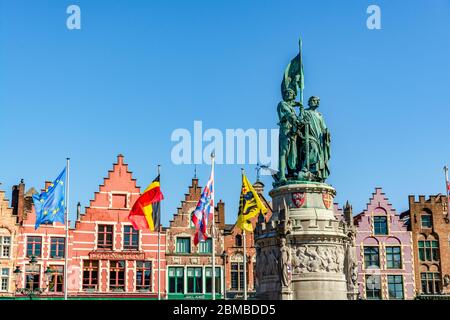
x=250 y=205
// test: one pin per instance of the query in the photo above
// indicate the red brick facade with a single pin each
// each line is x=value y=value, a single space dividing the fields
x=38 y=243
x=430 y=225
x=117 y=261
x=234 y=248
x=106 y=257
x=185 y=261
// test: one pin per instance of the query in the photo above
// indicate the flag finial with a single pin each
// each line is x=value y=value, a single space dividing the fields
x=258 y=172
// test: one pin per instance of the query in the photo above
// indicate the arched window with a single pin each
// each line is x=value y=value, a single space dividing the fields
x=425 y=220
x=238 y=241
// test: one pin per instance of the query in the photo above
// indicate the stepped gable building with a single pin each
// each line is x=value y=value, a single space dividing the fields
x=108 y=257
x=234 y=254
x=429 y=222
x=40 y=253
x=8 y=247
x=385 y=252
x=189 y=267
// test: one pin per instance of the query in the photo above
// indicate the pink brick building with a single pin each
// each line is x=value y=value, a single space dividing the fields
x=46 y=244
x=385 y=252
x=107 y=257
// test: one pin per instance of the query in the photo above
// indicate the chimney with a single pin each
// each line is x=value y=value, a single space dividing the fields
x=78 y=211
x=47 y=185
x=17 y=199
x=348 y=214
x=220 y=214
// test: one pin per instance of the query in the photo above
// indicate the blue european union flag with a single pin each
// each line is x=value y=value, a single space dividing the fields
x=50 y=205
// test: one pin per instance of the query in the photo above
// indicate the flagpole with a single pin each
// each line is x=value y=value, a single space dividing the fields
x=67 y=228
x=447 y=191
x=245 y=264
x=245 y=255
x=159 y=242
x=213 y=241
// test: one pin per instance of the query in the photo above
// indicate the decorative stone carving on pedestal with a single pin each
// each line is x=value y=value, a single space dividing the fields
x=285 y=270
x=310 y=243
x=351 y=262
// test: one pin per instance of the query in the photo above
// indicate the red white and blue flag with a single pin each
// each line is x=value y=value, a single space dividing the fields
x=204 y=210
x=448 y=198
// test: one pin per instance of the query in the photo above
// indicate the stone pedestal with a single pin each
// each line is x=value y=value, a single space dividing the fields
x=303 y=215
x=286 y=294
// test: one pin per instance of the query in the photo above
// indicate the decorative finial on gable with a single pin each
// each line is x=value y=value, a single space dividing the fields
x=120 y=159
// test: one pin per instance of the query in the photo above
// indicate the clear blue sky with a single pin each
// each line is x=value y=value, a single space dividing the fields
x=137 y=70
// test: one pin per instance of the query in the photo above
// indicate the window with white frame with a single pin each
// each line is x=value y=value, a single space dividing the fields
x=431 y=282
x=183 y=245
x=5 y=246
x=373 y=287
x=208 y=280
x=205 y=246
x=130 y=238
x=380 y=225
x=428 y=250
x=143 y=275
x=395 y=286
x=105 y=237
x=4 y=279
x=394 y=257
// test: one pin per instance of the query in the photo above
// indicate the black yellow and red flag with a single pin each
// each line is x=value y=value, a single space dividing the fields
x=250 y=205
x=145 y=213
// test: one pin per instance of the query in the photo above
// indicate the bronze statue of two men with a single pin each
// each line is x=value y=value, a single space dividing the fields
x=304 y=140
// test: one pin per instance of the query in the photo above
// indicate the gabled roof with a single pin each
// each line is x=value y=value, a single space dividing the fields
x=119 y=179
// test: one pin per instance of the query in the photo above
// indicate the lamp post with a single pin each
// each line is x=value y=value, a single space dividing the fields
x=30 y=291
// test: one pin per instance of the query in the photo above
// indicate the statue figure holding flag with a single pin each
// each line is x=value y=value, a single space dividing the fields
x=304 y=140
x=309 y=260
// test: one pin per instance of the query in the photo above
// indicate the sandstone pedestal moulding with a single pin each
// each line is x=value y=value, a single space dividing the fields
x=303 y=251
